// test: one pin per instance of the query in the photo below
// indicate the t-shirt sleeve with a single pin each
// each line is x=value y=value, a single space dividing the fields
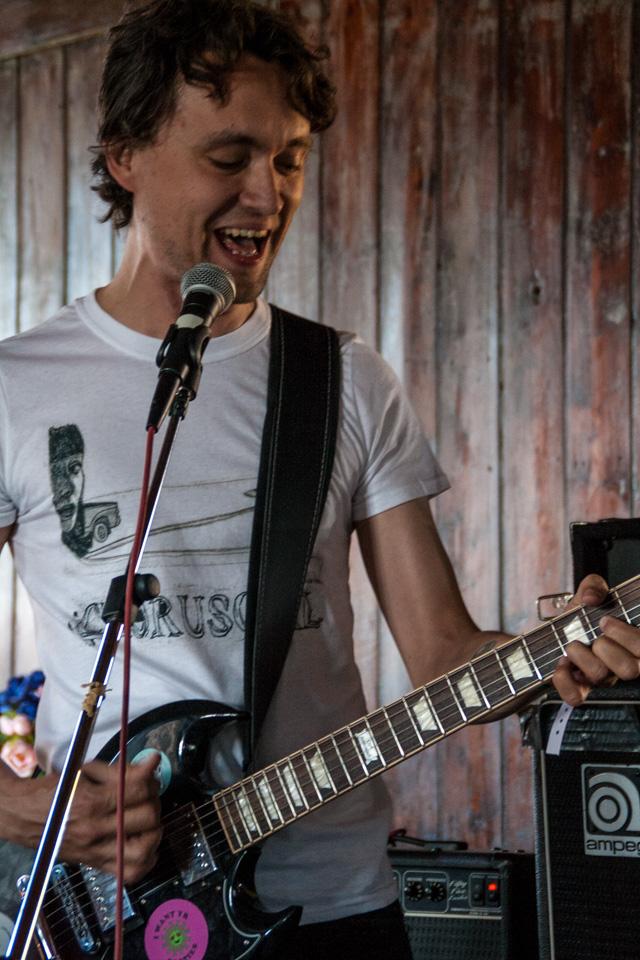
x=398 y=463
x=8 y=510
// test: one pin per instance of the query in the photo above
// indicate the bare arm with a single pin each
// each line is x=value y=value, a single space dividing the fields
x=417 y=591
x=418 y=594
x=90 y=831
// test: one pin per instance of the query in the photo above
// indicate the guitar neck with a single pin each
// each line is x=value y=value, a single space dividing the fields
x=287 y=790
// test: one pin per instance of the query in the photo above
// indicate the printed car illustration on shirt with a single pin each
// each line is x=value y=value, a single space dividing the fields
x=100 y=519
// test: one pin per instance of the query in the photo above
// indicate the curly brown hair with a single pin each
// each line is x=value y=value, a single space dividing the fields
x=155 y=47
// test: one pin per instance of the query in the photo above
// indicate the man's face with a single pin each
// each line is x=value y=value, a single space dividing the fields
x=221 y=183
x=67 y=481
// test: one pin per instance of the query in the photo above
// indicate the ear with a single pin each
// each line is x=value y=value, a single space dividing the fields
x=119 y=160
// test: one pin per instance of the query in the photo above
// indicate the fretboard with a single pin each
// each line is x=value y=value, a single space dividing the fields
x=277 y=795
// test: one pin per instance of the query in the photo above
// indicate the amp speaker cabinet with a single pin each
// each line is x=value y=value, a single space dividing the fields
x=587 y=810
x=587 y=792
x=467 y=906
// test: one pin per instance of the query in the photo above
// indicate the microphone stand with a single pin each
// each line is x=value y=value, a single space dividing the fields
x=113 y=613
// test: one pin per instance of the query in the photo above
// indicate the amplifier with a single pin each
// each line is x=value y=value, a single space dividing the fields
x=587 y=808
x=467 y=906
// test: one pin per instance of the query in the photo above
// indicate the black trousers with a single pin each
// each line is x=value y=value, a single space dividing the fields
x=378 y=935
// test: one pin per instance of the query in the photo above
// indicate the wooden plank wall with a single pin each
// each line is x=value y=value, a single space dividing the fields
x=473 y=214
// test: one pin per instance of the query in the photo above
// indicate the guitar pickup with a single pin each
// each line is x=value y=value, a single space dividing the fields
x=69 y=894
x=102 y=891
x=190 y=850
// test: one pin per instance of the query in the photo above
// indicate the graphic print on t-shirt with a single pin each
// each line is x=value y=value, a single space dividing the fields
x=215 y=544
x=82 y=523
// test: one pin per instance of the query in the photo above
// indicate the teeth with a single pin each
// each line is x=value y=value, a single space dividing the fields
x=232 y=232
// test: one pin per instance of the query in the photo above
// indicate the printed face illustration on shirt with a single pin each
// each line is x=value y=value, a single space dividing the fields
x=81 y=522
x=66 y=455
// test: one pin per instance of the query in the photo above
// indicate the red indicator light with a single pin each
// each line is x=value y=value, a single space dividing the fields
x=492 y=887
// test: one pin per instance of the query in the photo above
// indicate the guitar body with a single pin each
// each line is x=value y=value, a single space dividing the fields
x=198 y=903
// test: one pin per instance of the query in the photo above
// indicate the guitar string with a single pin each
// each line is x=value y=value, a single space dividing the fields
x=479 y=667
x=298 y=758
x=378 y=715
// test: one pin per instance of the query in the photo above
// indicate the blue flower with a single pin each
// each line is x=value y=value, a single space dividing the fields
x=21 y=695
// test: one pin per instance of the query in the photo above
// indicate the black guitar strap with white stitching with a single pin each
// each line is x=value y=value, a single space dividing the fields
x=298 y=445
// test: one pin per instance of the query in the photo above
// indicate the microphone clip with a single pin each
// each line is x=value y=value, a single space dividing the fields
x=180 y=367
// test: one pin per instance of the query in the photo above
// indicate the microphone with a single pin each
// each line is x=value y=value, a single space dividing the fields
x=207 y=291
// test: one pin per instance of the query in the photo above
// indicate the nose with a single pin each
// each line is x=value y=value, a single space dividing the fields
x=261 y=188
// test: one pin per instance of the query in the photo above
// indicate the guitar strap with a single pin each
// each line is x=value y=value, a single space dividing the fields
x=298 y=445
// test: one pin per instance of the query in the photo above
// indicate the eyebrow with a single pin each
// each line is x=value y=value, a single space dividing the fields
x=229 y=138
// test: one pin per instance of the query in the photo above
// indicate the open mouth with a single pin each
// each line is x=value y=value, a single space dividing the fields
x=246 y=246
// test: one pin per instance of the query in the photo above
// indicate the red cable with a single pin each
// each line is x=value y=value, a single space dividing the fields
x=126 y=675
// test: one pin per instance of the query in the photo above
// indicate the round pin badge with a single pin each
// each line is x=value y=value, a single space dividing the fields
x=162 y=772
x=176 y=930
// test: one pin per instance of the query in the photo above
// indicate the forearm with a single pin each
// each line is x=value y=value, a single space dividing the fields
x=24 y=804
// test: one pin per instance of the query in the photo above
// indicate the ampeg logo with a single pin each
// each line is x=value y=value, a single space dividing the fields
x=611 y=809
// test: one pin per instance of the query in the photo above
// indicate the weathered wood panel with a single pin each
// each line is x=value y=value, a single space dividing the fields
x=42 y=187
x=88 y=258
x=348 y=255
x=635 y=262
x=348 y=261
x=32 y=23
x=294 y=281
x=405 y=223
x=407 y=298
x=8 y=303
x=468 y=386
x=598 y=321
x=534 y=522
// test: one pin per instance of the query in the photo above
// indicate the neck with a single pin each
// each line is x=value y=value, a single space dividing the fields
x=147 y=300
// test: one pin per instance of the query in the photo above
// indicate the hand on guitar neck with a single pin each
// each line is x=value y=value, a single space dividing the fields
x=91 y=830
x=614 y=655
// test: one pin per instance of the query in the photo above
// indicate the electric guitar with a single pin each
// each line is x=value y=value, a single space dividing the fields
x=198 y=903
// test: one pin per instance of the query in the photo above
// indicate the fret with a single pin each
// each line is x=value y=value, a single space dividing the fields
x=574 y=628
x=350 y=755
x=531 y=658
x=357 y=752
x=491 y=679
x=517 y=664
x=407 y=736
x=311 y=780
x=368 y=746
x=542 y=648
x=246 y=812
x=444 y=705
x=386 y=740
x=258 y=810
x=292 y=787
x=281 y=800
x=479 y=686
x=557 y=636
x=387 y=718
x=622 y=606
x=342 y=763
x=456 y=699
x=334 y=765
x=464 y=687
x=425 y=715
x=267 y=797
x=319 y=770
x=228 y=823
x=235 y=813
x=504 y=672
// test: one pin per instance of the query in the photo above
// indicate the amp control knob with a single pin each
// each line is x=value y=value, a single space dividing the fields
x=414 y=890
x=438 y=892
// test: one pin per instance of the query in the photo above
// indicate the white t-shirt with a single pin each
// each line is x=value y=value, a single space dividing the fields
x=74 y=396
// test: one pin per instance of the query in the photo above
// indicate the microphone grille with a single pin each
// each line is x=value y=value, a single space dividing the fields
x=213 y=276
